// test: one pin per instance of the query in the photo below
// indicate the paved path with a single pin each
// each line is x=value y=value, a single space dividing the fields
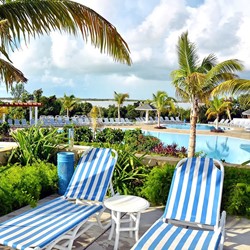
x=237 y=232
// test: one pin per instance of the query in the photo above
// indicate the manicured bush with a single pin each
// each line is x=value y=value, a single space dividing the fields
x=20 y=186
x=236 y=189
x=157 y=184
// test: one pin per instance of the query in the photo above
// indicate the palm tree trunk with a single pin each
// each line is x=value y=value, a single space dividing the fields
x=159 y=114
x=192 y=135
x=119 y=115
x=217 y=122
x=67 y=112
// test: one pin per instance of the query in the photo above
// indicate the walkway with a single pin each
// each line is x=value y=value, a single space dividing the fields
x=237 y=232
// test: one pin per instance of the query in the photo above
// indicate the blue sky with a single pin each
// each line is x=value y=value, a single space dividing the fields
x=61 y=64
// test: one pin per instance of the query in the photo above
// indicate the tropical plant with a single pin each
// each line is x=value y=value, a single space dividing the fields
x=25 y=19
x=120 y=98
x=130 y=171
x=94 y=114
x=36 y=144
x=68 y=103
x=216 y=107
x=162 y=102
x=195 y=82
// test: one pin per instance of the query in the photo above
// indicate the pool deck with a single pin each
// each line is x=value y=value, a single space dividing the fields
x=237 y=231
x=236 y=132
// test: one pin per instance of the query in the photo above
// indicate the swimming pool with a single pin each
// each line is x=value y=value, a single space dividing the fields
x=232 y=150
x=186 y=126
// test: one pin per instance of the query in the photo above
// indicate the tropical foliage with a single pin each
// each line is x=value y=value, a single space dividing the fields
x=25 y=19
x=36 y=144
x=196 y=80
x=216 y=107
x=68 y=103
x=120 y=98
x=162 y=102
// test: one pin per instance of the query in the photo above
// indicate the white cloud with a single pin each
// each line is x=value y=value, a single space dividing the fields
x=62 y=63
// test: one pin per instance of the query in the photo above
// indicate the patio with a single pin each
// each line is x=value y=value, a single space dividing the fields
x=237 y=231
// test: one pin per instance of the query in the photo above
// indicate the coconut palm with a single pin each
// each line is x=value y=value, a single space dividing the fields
x=69 y=102
x=216 y=107
x=22 y=19
x=195 y=80
x=162 y=102
x=120 y=98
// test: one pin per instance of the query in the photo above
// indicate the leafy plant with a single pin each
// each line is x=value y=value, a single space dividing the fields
x=130 y=172
x=140 y=142
x=240 y=200
x=20 y=186
x=109 y=135
x=170 y=150
x=35 y=144
x=157 y=185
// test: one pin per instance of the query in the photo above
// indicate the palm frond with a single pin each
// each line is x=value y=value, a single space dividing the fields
x=235 y=86
x=225 y=69
x=10 y=74
x=31 y=18
x=207 y=63
x=187 y=54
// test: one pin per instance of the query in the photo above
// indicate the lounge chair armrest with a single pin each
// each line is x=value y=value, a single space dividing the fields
x=223 y=220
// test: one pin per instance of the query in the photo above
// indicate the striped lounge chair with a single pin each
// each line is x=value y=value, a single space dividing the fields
x=191 y=217
x=57 y=223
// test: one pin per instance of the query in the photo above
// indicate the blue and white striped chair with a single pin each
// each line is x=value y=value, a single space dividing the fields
x=191 y=219
x=65 y=218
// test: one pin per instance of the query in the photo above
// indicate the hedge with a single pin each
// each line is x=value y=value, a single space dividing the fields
x=21 y=186
x=236 y=189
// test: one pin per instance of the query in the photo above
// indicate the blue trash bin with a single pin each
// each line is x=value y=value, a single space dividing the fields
x=65 y=170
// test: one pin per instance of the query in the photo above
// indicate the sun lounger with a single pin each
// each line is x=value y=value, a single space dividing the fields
x=57 y=223
x=191 y=217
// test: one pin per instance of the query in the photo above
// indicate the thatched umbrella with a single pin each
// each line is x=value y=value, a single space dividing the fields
x=146 y=107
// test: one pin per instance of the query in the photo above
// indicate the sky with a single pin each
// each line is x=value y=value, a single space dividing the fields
x=62 y=64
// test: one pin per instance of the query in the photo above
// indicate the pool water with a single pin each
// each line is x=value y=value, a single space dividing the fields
x=186 y=126
x=229 y=149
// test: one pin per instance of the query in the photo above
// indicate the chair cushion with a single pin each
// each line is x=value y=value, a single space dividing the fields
x=42 y=225
x=166 y=236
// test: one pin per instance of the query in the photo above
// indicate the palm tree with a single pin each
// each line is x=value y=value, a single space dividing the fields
x=69 y=102
x=120 y=98
x=196 y=81
x=162 y=102
x=25 y=19
x=217 y=106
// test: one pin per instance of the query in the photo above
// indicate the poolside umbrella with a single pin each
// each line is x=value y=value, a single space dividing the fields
x=146 y=107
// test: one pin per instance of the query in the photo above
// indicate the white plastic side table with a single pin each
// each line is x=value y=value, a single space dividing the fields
x=133 y=206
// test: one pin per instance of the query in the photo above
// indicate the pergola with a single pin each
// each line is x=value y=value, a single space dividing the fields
x=29 y=105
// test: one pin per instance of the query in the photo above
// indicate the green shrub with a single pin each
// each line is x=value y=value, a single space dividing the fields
x=236 y=189
x=236 y=196
x=110 y=135
x=20 y=186
x=140 y=142
x=4 y=129
x=157 y=185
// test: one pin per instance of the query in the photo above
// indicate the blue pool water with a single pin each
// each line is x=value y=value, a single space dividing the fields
x=232 y=150
x=186 y=126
